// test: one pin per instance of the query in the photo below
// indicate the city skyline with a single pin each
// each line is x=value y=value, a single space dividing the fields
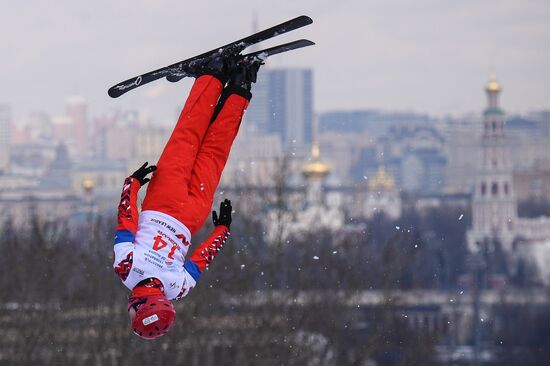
x=428 y=57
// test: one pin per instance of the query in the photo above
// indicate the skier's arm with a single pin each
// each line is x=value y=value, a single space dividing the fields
x=127 y=211
x=204 y=254
x=127 y=208
x=126 y=228
x=128 y=220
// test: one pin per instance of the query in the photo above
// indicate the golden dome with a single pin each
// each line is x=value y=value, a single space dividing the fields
x=315 y=168
x=88 y=184
x=381 y=181
x=493 y=85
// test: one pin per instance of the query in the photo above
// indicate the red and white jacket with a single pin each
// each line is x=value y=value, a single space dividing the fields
x=154 y=244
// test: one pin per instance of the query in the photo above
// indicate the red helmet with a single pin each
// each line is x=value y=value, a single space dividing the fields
x=154 y=317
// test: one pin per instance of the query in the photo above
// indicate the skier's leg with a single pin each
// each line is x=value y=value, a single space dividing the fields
x=212 y=157
x=168 y=189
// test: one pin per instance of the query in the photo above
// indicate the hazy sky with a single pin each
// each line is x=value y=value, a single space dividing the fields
x=426 y=55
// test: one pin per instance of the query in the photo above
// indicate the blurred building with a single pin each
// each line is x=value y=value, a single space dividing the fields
x=255 y=160
x=115 y=135
x=343 y=153
x=462 y=152
x=61 y=190
x=63 y=132
x=78 y=177
x=355 y=141
x=315 y=172
x=22 y=207
x=76 y=110
x=148 y=144
x=494 y=202
x=36 y=129
x=113 y=139
x=105 y=177
x=528 y=138
x=372 y=123
x=316 y=208
x=32 y=159
x=415 y=156
x=533 y=184
x=57 y=176
x=383 y=196
x=5 y=138
x=45 y=199
x=367 y=163
x=283 y=105
x=72 y=128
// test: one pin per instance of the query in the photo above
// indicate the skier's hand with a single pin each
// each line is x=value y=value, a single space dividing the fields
x=142 y=172
x=225 y=214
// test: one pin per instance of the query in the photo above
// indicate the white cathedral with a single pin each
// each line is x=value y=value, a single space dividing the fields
x=494 y=204
x=319 y=210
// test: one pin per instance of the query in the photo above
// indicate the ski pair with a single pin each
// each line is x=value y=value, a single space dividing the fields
x=177 y=75
x=178 y=71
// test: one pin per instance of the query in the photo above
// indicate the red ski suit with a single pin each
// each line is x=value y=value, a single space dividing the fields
x=181 y=190
x=192 y=162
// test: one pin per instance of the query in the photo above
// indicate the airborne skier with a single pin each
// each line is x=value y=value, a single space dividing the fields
x=150 y=247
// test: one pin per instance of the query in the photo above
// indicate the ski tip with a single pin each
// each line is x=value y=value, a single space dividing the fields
x=305 y=19
x=113 y=93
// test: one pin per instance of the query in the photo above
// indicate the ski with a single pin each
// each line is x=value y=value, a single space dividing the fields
x=230 y=48
x=262 y=55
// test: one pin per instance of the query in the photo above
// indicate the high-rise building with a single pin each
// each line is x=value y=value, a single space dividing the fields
x=283 y=104
x=257 y=116
x=5 y=138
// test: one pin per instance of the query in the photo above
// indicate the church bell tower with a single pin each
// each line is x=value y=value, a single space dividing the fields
x=493 y=203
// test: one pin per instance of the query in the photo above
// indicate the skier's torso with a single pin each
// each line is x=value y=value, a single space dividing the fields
x=159 y=250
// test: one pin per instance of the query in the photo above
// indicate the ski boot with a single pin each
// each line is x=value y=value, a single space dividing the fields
x=215 y=66
x=243 y=73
